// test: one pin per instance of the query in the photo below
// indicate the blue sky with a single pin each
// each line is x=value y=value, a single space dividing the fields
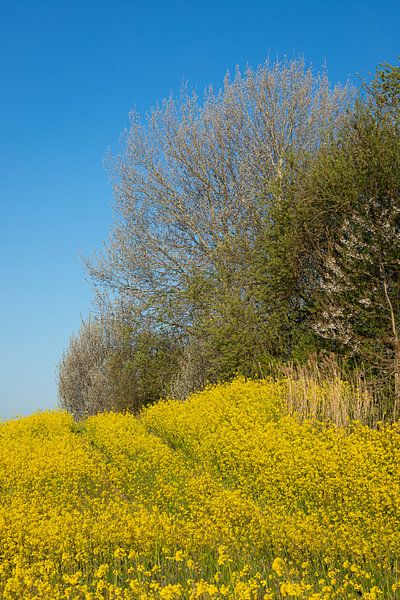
x=70 y=72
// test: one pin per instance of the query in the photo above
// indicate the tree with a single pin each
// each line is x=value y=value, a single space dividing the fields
x=385 y=90
x=83 y=385
x=358 y=304
x=194 y=186
x=112 y=366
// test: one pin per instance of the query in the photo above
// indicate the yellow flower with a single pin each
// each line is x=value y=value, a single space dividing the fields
x=179 y=556
x=102 y=571
x=119 y=553
x=171 y=592
x=292 y=589
x=279 y=566
x=223 y=557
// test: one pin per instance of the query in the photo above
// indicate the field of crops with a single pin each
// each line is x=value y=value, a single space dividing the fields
x=221 y=496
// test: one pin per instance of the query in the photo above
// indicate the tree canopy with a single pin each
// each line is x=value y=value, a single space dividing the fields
x=257 y=223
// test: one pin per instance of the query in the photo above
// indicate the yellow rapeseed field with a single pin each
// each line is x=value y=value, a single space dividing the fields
x=221 y=496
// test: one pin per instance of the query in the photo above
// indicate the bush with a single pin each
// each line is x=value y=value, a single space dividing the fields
x=110 y=366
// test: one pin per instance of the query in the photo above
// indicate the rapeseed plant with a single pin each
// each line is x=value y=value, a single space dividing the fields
x=225 y=496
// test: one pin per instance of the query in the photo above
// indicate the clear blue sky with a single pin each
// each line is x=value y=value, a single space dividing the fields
x=70 y=72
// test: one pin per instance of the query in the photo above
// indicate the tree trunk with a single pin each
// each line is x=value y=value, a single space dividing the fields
x=396 y=407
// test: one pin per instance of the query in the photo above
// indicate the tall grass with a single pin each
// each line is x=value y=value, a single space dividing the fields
x=326 y=389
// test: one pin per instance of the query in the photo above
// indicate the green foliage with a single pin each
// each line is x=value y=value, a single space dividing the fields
x=247 y=239
x=385 y=88
x=334 y=246
x=112 y=365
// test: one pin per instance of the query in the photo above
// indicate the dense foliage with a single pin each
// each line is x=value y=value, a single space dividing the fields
x=255 y=227
x=113 y=363
x=225 y=495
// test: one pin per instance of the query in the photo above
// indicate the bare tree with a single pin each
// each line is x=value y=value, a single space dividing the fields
x=195 y=176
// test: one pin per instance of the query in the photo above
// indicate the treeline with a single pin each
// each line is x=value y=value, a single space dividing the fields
x=256 y=227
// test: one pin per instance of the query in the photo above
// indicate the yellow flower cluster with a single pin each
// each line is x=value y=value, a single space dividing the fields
x=223 y=496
